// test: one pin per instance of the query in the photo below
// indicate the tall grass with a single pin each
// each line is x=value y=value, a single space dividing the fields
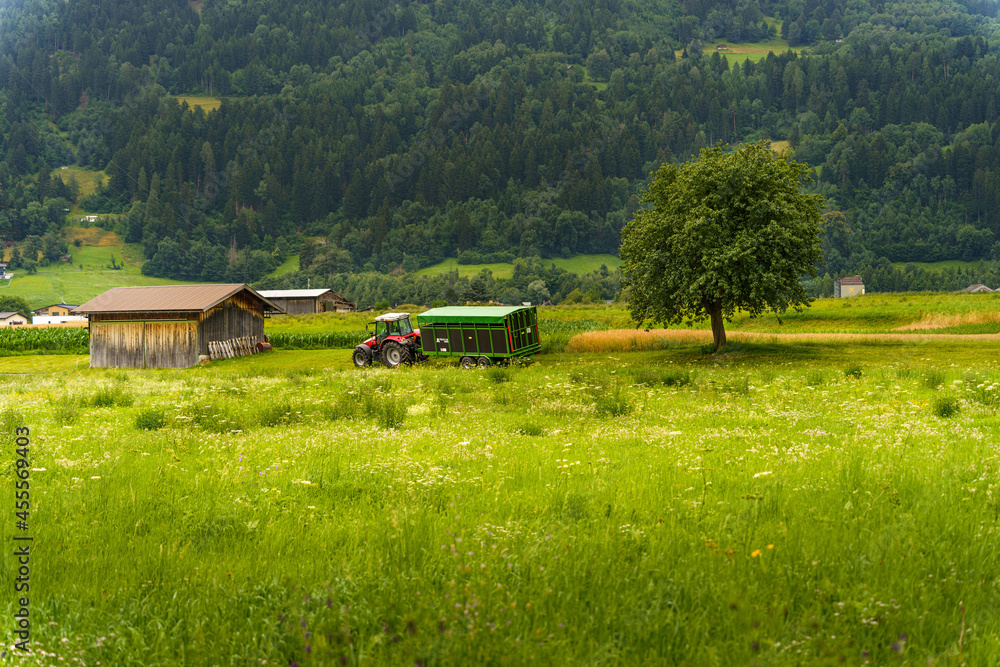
x=584 y=511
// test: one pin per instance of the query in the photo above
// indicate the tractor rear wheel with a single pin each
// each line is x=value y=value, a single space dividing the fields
x=467 y=362
x=394 y=354
x=361 y=357
x=483 y=362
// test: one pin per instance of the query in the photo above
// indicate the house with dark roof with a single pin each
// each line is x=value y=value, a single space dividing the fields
x=850 y=286
x=55 y=310
x=302 y=301
x=172 y=326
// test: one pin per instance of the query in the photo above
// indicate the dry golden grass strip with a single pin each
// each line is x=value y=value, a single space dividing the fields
x=641 y=340
x=634 y=340
x=941 y=321
x=93 y=236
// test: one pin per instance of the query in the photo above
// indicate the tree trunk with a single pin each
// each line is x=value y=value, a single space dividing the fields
x=718 y=324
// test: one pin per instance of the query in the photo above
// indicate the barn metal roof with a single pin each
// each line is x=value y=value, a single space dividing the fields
x=171 y=298
x=292 y=293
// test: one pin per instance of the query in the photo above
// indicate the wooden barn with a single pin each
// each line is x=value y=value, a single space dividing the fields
x=170 y=326
x=304 y=301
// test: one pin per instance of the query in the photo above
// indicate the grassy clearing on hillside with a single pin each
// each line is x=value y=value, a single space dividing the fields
x=465 y=270
x=634 y=508
x=586 y=263
x=290 y=264
x=578 y=264
x=598 y=85
x=66 y=282
x=206 y=103
x=93 y=236
x=86 y=179
x=70 y=285
x=736 y=52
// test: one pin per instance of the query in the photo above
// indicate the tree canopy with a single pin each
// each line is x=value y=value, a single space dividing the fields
x=404 y=133
x=731 y=231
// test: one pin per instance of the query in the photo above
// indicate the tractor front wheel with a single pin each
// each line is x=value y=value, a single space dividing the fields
x=394 y=354
x=361 y=357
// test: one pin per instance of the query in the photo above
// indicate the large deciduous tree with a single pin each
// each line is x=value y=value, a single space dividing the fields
x=730 y=232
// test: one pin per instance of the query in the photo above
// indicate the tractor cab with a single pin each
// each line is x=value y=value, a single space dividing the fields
x=385 y=326
x=394 y=341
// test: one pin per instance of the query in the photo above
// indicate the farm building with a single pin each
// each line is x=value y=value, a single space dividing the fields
x=303 y=301
x=850 y=286
x=978 y=288
x=55 y=310
x=170 y=326
x=12 y=319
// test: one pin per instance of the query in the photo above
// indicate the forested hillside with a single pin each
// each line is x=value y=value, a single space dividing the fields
x=404 y=133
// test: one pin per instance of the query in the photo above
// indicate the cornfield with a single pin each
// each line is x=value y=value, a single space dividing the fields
x=316 y=341
x=54 y=340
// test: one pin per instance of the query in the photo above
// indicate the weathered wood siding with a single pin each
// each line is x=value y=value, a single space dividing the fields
x=235 y=317
x=120 y=343
x=172 y=345
x=171 y=339
x=331 y=303
x=300 y=306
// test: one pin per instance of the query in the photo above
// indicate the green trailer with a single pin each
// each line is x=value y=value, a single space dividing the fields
x=479 y=335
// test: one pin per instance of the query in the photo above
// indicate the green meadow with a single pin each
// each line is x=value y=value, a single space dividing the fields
x=787 y=501
x=289 y=265
x=739 y=52
x=206 y=103
x=661 y=507
x=914 y=312
x=86 y=180
x=88 y=274
x=577 y=264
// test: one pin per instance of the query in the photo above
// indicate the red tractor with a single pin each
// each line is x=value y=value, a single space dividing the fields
x=395 y=342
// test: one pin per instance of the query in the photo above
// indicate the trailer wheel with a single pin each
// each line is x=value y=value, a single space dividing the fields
x=361 y=357
x=467 y=362
x=394 y=354
x=483 y=362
